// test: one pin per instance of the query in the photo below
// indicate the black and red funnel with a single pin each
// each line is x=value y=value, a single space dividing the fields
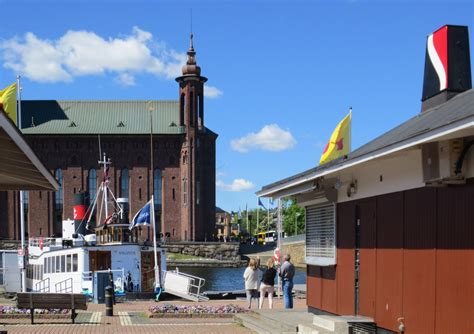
x=447 y=63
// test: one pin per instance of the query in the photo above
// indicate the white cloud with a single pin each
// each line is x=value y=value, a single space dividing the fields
x=212 y=92
x=125 y=79
x=236 y=185
x=81 y=53
x=269 y=138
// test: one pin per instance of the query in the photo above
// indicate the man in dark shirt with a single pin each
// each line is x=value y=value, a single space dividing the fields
x=287 y=272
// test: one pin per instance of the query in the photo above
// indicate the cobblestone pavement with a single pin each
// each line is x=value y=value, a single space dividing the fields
x=131 y=317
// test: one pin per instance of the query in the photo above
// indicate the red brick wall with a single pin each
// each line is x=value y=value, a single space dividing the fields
x=75 y=155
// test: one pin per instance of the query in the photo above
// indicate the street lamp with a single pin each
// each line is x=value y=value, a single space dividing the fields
x=296 y=222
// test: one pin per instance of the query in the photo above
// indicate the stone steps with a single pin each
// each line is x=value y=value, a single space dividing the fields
x=274 y=321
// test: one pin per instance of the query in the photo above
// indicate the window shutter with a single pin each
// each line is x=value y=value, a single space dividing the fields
x=321 y=234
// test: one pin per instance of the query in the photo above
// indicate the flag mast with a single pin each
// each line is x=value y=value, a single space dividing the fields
x=22 y=199
x=152 y=213
x=258 y=210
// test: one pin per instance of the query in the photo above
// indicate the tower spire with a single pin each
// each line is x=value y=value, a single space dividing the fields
x=191 y=68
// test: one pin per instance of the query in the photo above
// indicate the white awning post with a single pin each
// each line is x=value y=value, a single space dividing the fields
x=22 y=200
x=279 y=243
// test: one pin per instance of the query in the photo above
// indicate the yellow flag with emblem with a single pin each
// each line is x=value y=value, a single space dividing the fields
x=340 y=142
x=8 y=101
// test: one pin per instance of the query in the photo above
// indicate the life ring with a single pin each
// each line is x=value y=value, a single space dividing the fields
x=276 y=255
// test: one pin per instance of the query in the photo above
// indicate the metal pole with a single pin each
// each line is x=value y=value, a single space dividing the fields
x=155 y=255
x=22 y=202
x=279 y=242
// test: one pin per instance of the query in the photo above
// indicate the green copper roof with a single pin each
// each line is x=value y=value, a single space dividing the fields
x=99 y=117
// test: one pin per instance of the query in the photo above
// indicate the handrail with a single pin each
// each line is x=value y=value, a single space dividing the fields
x=66 y=288
x=41 y=286
x=195 y=285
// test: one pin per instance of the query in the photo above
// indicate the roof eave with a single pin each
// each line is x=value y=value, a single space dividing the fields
x=422 y=138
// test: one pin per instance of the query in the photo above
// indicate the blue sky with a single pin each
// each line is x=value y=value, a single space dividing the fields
x=281 y=74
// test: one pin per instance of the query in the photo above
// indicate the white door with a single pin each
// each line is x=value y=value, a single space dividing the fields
x=11 y=272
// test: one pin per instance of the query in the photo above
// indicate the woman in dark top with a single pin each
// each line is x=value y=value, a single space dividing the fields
x=267 y=285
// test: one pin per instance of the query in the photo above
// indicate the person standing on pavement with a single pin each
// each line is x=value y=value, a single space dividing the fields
x=251 y=281
x=287 y=272
x=268 y=283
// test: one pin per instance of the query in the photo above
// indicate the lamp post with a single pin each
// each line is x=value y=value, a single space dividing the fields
x=296 y=222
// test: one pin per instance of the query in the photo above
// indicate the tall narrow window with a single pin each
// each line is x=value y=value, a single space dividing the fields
x=92 y=184
x=182 y=106
x=124 y=181
x=157 y=187
x=198 y=192
x=185 y=191
x=58 y=202
x=191 y=110
x=200 y=111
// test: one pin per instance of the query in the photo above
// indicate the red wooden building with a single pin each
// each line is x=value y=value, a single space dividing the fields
x=389 y=228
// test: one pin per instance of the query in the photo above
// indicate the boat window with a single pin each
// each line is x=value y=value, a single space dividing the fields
x=46 y=265
x=58 y=264
x=41 y=267
x=52 y=265
x=74 y=262
x=69 y=263
x=63 y=263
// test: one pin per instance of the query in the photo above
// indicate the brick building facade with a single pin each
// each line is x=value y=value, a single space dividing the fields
x=66 y=134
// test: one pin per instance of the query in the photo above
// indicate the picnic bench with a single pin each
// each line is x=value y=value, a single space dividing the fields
x=34 y=300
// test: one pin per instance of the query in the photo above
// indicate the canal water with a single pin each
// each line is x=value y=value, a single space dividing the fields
x=229 y=279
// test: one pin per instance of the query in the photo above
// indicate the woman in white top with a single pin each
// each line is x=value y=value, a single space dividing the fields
x=251 y=281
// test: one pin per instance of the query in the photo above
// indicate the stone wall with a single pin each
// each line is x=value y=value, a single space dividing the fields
x=296 y=250
x=224 y=251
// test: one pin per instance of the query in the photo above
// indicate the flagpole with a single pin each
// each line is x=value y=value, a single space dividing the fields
x=350 y=131
x=258 y=210
x=22 y=200
x=152 y=214
x=247 y=216
x=268 y=214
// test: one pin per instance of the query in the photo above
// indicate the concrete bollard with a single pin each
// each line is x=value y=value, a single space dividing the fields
x=109 y=301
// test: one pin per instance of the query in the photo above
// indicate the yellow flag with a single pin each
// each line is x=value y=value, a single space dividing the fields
x=8 y=101
x=340 y=142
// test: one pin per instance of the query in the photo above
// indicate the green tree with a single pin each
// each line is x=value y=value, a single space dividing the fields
x=293 y=217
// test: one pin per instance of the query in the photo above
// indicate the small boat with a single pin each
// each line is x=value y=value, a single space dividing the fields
x=87 y=258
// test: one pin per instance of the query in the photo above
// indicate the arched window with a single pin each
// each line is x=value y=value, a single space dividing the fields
x=124 y=182
x=92 y=184
x=182 y=105
x=157 y=188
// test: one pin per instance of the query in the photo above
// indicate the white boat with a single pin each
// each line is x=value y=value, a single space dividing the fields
x=78 y=261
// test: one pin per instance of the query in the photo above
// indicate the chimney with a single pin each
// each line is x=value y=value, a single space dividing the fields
x=447 y=65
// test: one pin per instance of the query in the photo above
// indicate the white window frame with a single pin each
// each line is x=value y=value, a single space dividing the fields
x=314 y=254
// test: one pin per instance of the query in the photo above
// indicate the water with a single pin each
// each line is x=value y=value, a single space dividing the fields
x=228 y=279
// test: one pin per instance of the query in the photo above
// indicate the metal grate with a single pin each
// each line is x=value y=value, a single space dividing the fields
x=362 y=328
x=321 y=234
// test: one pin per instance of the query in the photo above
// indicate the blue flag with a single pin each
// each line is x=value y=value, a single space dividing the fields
x=261 y=204
x=143 y=217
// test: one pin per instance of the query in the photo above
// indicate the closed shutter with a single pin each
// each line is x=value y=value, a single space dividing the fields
x=321 y=234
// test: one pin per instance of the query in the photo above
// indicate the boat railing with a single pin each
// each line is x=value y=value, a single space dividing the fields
x=64 y=286
x=194 y=283
x=43 y=242
x=42 y=286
